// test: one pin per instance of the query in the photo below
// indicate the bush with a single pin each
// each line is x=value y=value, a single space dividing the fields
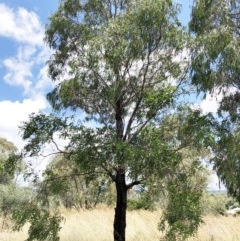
x=44 y=225
x=12 y=197
x=216 y=203
x=141 y=203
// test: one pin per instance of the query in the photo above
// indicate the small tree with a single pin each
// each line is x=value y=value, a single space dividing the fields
x=117 y=100
x=67 y=184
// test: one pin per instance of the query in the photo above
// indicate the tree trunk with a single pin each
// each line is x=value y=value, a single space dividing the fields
x=121 y=206
x=119 y=225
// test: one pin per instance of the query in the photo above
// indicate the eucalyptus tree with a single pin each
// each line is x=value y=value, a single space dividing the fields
x=216 y=68
x=120 y=74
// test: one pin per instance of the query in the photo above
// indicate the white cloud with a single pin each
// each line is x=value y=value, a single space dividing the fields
x=43 y=80
x=26 y=29
x=19 y=68
x=212 y=100
x=21 y=25
x=210 y=103
x=26 y=69
x=13 y=113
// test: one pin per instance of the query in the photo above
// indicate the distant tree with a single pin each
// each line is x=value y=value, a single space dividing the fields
x=65 y=182
x=216 y=69
x=11 y=195
x=119 y=99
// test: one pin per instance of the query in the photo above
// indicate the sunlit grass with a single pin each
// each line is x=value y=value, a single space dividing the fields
x=96 y=225
x=8 y=235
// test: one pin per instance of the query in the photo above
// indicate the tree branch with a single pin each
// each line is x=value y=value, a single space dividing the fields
x=140 y=97
x=134 y=183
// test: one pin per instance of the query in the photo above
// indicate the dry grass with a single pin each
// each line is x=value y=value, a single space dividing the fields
x=96 y=225
x=8 y=235
x=219 y=228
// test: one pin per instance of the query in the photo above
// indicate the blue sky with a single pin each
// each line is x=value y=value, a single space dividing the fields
x=20 y=41
x=23 y=73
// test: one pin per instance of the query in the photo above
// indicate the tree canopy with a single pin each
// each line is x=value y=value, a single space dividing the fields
x=216 y=68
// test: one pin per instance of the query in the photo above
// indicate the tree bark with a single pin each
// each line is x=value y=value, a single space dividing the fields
x=119 y=225
x=121 y=206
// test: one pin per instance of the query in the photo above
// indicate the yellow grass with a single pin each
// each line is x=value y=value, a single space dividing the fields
x=96 y=225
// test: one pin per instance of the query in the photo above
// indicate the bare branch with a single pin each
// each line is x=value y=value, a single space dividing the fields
x=55 y=144
x=140 y=97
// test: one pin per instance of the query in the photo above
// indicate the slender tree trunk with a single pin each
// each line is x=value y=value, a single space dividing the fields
x=119 y=225
x=121 y=206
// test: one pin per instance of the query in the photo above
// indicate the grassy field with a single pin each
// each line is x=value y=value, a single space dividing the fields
x=96 y=225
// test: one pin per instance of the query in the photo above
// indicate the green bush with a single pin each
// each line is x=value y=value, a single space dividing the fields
x=12 y=197
x=44 y=225
x=141 y=203
x=216 y=203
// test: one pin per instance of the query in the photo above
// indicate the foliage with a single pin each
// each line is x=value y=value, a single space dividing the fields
x=190 y=129
x=43 y=225
x=215 y=68
x=140 y=203
x=6 y=146
x=10 y=162
x=145 y=199
x=226 y=159
x=216 y=53
x=216 y=203
x=182 y=216
x=66 y=183
x=12 y=197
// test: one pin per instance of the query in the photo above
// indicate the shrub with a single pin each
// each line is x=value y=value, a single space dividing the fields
x=216 y=203
x=141 y=203
x=12 y=197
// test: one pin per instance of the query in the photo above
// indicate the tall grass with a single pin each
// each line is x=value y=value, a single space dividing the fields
x=96 y=225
